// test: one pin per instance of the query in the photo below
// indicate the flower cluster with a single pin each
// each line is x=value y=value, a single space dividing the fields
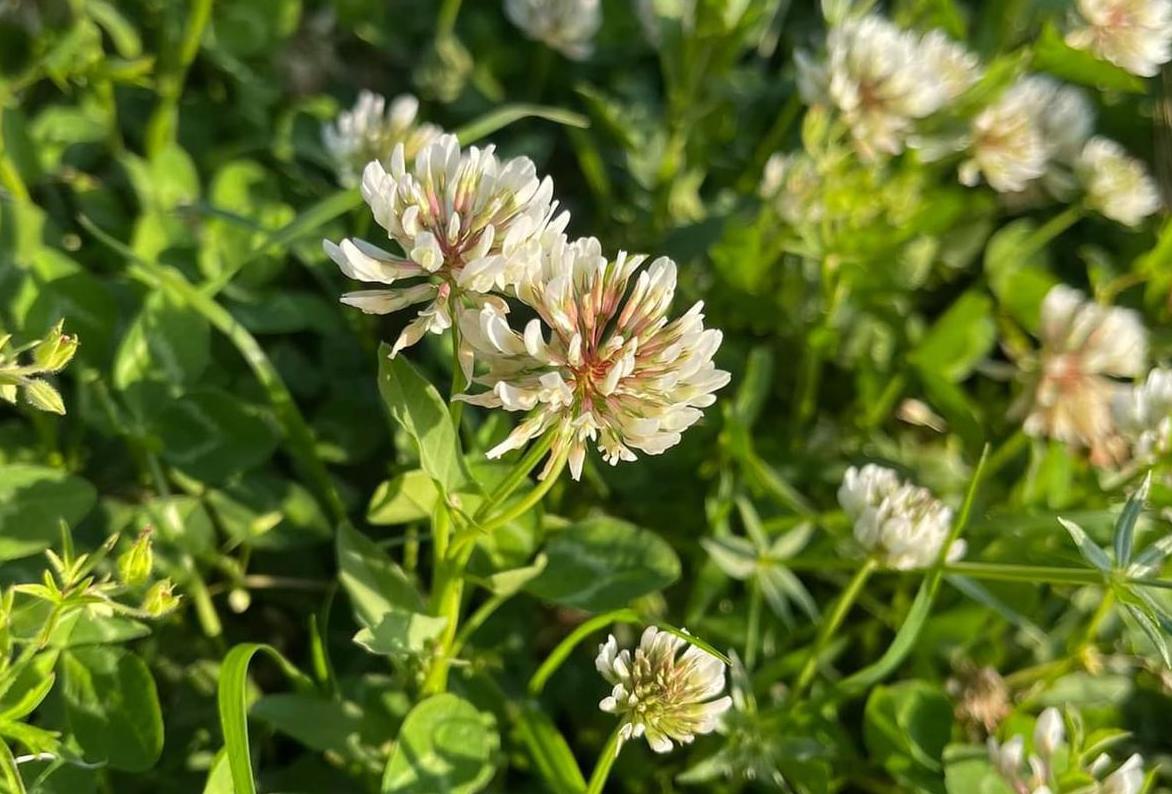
x=1143 y=415
x=882 y=80
x=613 y=370
x=1135 y=35
x=1030 y=134
x=1039 y=773
x=1117 y=185
x=371 y=130
x=903 y=525
x=601 y=362
x=467 y=222
x=568 y=26
x=793 y=187
x=1072 y=387
x=660 y=693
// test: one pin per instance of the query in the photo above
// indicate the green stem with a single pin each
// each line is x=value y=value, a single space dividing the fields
x=606 y=759
x=459 y=384
x=515 y=476
x=559 y=654
x=1049 y=230
x=475 y=621
x=1009 y=449
x=754 y=625
x=1106 y=604
x=163 y=124
x=529 y=500
x=1034 y=574
x=445 y=22
x=832 y=622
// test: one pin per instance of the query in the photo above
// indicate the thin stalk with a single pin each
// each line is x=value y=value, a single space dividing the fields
x=1106 y=604
x=445 y=23
x=559 y=654
x=515 y=476
x=164 y=122
x=1049 y=230
x=459 y=384
x=754 y=625
x=606 y=759
x=475 y=621
x=529 y=501
x=832 y=622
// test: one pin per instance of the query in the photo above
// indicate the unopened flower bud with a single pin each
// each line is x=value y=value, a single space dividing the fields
x=1049 y=733
x=134 y=565
x=160 y=599
x=54 y=352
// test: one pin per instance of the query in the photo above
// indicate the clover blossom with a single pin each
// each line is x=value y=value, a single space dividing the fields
x=902 y=524
x=1135 y=35
x=614 y=370
x=1117 y=184
x=1071 y=389
x=1143 y=415
x=883 y=79
x=467 y=222
x=660 y=693
x=568 y=26
x=1032 y=132
x=1040 y=772
x=371 y=130
x=792 y=186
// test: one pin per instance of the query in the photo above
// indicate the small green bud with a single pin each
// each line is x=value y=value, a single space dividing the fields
x=55 y=351
x=134 y=565
x=160 y=599
x=42 y=395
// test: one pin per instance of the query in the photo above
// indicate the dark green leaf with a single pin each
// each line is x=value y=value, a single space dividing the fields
x=34 y=500
x=445 y=746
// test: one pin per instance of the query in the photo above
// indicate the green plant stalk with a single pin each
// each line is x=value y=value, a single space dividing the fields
x=1102 y=612
x=459 y=383
x=754 y=629
x=164 y=122
x=475 y=621
x=559 y=654
x=1049 y=230
x=445 y=23
x=515 y=476
x=606 y=759
x=832 y=622
x=529 y=501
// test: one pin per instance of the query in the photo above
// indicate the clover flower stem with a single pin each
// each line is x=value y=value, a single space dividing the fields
x=456 y=407
x=606 y=759
x=516 y=475
x=1049 y=230
x=1007 y=451
x=445 y=22
x=559 y=654
x=530 y=500
x=475 y=621
x=833 y=621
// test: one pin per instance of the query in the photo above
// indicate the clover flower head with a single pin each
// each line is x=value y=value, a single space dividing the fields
x=1143 y=415
x=467 y=222
x=1039 y=773
x=1135 y=35
x=1035 y=126
x=1083 y=347
x=792 y=186
x=660 y=693
x=568 y=26
x=371 y=130
x=883 y=79
x=1117 y=184
x=902 y=524
x=601 y=362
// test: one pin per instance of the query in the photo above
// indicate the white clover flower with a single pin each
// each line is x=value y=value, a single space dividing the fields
x=1135 y=35
x=614 y=370
x=568 y=26
x=902 y=524
x=1084 y=346
x=1127 y=779
x=660 y=693
x=371 y=130
x=1143 y=415
x=467 y=222
x=883 y=79
x=1049 y=733
x=1033 y=127
x=1117 y=184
